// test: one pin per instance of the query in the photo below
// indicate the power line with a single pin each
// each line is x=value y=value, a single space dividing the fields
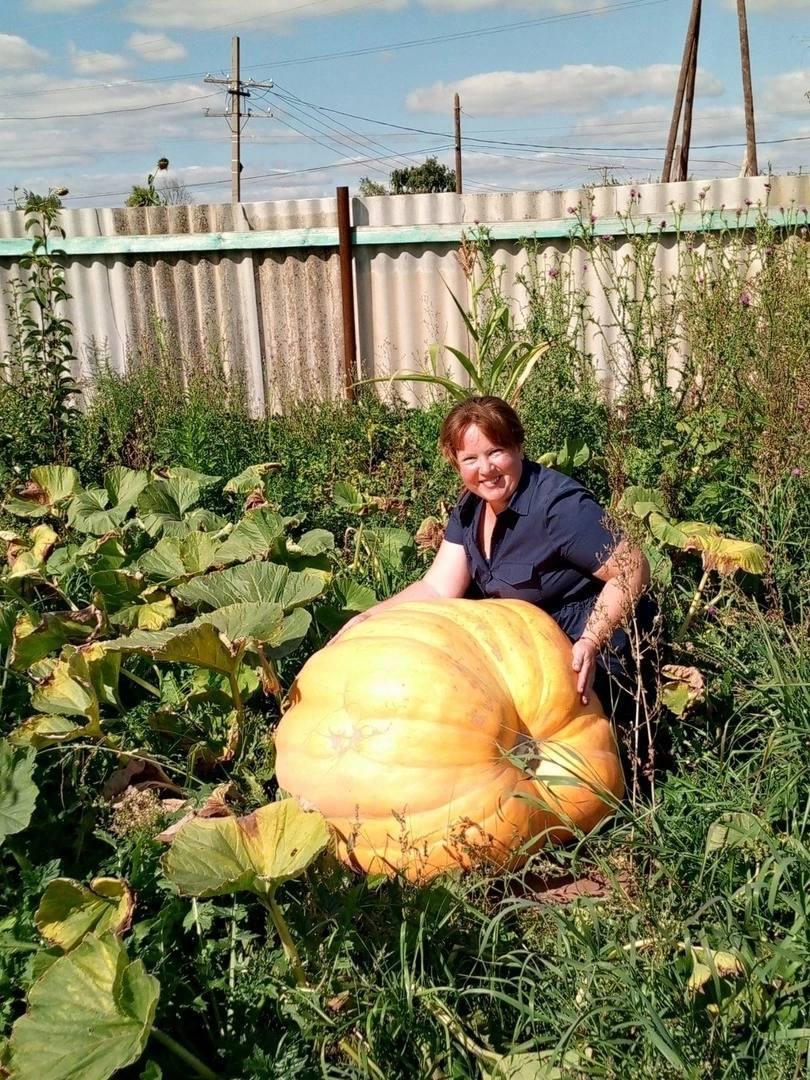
x=499 y=28
x=264 y=176
x=111 y=112
x=537 y=146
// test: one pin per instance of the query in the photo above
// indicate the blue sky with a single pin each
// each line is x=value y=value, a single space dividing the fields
x=92 y=92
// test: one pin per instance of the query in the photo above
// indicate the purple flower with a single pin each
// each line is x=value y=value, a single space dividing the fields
x=634 y=194
x=663 y=223
x=553 y=272
x=593 y=218
x=608 y=239
x=572 y=209
x=745 y=299
x=711 y=612
x=796 y=472
x=748 y=202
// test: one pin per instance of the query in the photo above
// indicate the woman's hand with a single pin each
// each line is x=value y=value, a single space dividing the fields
x=583 y=661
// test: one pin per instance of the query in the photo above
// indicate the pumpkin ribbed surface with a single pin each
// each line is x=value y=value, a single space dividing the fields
x=444 y=733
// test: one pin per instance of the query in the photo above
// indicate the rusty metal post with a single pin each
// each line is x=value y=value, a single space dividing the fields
x=346 y=289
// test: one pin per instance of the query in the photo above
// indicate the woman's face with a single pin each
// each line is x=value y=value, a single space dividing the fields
x=487 y=469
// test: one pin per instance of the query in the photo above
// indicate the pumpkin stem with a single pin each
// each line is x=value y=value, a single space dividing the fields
x=693 y=607
x=287 y=943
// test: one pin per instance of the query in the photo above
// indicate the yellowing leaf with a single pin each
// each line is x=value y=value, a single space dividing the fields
x=257 y=853
x=89 y=1015
x=68 y=910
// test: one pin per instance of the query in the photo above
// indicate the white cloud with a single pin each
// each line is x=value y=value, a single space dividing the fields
x=16 y=54
x=61 y=5
x=787 y=93
x=260 y=14
x=95 y=63
x=571 y=88
x=156 y=47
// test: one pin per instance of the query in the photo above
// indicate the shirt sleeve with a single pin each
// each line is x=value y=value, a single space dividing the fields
x=578 y=527
x=454 y=533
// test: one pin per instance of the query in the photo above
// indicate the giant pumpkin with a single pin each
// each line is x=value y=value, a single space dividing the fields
x=447 y=733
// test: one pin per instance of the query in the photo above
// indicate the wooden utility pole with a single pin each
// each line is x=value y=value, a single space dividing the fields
x=237 y=116
x=682 y=171
x=457 y=126
x=750 y=164
x=686 y=65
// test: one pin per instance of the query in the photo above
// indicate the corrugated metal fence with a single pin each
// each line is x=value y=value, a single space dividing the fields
x=258 y=287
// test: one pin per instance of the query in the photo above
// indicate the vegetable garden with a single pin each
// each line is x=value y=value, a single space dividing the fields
x=170 y=564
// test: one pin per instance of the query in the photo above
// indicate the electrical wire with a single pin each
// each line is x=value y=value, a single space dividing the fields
x=390 y=47
x=112 y=112
x=259 y=176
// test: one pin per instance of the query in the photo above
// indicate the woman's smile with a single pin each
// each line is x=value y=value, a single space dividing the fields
x=488 y=470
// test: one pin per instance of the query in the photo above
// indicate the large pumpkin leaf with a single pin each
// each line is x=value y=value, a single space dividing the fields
x=18 y=792
x=48 y=489
x=213 y=641
x=69 y=910
x=173 y=559
x=259 y=535
x=254 y=582
x=199 y=520
x=90 y=512
x=27 y=558
x=66 y=690
x=390 y=546
x=125 y=485
x=180 y=472
x=152 y=614
x=167 y=500
x=345 y=600
x=117 y=588
x=89 y=1015
x=39 y=731
x=36 y=636
x=251 y=478
x=257 y=853
x=722 y=553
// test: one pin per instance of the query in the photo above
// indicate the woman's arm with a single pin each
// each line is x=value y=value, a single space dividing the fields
x=626 y=575
x=447 y=577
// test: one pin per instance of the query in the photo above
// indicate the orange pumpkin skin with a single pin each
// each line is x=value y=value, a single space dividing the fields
x=447 y=733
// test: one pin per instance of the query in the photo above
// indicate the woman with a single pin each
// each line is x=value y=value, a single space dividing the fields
x=523 y=531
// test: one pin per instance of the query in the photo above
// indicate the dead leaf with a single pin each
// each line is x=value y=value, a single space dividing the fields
x=216 y=805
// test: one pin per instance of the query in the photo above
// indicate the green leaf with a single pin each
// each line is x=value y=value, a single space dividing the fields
x=251 y=478
x=723 y=553
x=348 y=497
x=69 y=910
x=312 y=544
x=168 y=500
x=346 y=599
x=256 y=582
x=735 y=829
x=49 y=487
x=89 y=512
x=173 y=559
x=88 y=1016
x=259 y=535
x=642 y=501
x=214 y=641
x=536 y=1066
x=117 y=588
x=125 y=485
x=257 y=853
x=18 y=792
x=203 y=480
x=390 y=546
x=199 y=520
x=663 y=530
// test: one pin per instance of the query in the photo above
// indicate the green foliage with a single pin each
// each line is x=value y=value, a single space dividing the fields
x=36 y=395
x=147 y=194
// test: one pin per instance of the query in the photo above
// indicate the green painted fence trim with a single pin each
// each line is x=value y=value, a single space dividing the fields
x=406 y=235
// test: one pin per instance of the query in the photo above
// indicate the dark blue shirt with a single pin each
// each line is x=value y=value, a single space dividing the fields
x=546 y=545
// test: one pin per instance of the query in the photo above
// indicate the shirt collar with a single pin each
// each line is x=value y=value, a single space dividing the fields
x=522 y=497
